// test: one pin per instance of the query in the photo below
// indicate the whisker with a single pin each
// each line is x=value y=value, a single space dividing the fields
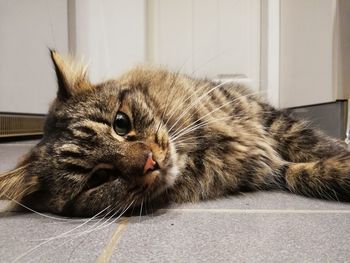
x=73 y=234
x=178 y=73
x=199 y=125
x=150 y=204
x=95 y=229
x=197 y=101
x=133 y=208
x=167 y=103
x=43 y=215
x=55 y=237
x=196 y=127
x=141 y=210
x=217 y=109
x=176 y=107
x=174 y=140
x=146 y=203
x=193 y=138
x=188 y=117
x=103 y=224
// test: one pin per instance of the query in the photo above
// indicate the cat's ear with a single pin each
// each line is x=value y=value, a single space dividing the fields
x=16 y=184
x=71 y=76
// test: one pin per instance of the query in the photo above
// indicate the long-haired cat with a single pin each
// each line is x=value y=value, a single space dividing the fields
x=158 y=136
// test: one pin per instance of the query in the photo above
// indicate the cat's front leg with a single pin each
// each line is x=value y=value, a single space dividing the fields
x=109 y=199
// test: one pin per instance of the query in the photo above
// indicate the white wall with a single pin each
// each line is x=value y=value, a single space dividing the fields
x=342 y=50
x=306 y=52
x=110 y=34
x=206 y=37
x=270 y=50
x=297 y=50
x=27 y=30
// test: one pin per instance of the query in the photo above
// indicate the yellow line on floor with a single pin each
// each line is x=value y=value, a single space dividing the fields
x=255 y=211
x=107 y=251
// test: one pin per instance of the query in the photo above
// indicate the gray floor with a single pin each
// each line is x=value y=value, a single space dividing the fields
x=258 y=227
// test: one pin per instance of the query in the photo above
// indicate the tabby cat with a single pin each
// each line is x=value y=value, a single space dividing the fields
x=156 y=136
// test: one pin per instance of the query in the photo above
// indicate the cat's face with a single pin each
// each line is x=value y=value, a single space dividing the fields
x=104 y=147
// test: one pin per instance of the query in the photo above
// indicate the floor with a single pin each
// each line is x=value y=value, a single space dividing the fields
x=257 y=227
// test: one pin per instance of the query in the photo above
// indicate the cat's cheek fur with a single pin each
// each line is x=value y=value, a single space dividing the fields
x=178 y=162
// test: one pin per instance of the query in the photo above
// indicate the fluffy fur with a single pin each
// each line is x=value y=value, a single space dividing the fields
x=208 y=139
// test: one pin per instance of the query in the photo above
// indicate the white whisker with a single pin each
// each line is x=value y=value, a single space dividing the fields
x=193 y=138
x=197 y=101
x=176 y=107
x=141 y=210
x=193 y=128
x=103 y=225
x=62 y=234
x=167 y=102
x=215 y=110
x=199 y=125
x=95 y=229
x=44 y=215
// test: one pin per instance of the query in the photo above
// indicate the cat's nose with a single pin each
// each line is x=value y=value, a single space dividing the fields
x=150 y=164
x=138 y=161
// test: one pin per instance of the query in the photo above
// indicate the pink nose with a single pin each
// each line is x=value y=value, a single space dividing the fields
x=150 y=163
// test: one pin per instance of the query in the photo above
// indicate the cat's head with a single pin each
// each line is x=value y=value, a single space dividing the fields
x=104 y=148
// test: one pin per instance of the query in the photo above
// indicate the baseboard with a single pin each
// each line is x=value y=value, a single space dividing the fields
x=21 y=124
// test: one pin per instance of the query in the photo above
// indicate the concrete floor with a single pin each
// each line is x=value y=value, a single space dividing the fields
x=255 y=227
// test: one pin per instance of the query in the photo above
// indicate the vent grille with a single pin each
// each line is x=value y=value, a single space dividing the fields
x=20 y=124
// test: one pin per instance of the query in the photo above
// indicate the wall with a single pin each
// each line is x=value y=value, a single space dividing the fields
x=206 y=37
x=306 y=52
x=296 y=50
x=342 y=50
x=110 y=34
x=27 y=30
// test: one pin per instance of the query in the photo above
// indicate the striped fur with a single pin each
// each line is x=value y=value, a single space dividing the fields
x=209 y=140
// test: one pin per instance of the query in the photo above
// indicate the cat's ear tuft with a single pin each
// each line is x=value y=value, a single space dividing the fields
x=71 y=76
x=16 y=184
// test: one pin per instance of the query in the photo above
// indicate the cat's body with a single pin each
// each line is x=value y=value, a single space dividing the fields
x=154 y=135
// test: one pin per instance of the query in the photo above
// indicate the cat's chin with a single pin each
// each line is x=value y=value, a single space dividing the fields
x=168 y=179
x=174 y=166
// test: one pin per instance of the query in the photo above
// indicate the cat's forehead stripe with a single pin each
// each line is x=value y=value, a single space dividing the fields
x=85 y=130
x=70 y=147
x=97 y=126
x=95 y=118
x=123 y=94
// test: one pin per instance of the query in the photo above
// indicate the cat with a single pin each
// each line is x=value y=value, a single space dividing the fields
x=158 y=136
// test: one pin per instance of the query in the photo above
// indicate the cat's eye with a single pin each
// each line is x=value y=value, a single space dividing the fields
x=122 y=124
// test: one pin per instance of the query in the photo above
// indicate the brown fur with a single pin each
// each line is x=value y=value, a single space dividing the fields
x=209 y=140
